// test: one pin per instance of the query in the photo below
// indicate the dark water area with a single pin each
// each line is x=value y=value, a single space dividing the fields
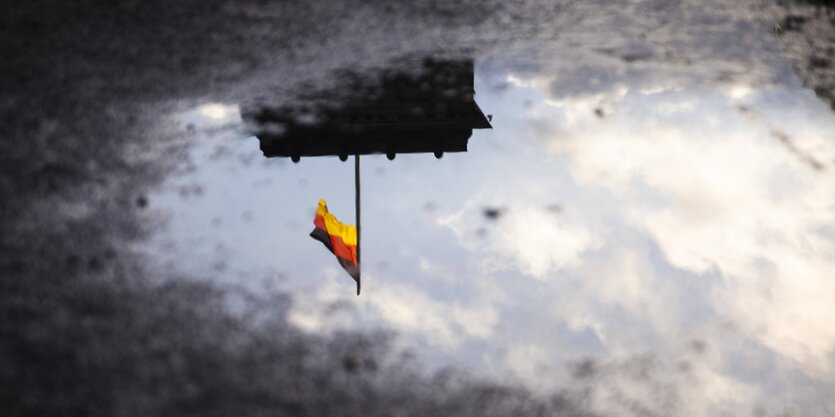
x=641 y=223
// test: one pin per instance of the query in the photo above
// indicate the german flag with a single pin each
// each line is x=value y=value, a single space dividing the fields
x=339 y=238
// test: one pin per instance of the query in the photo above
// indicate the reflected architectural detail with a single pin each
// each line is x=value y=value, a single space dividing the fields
x=432 y=110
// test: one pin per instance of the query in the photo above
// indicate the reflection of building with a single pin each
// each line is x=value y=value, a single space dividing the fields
x=430 y=111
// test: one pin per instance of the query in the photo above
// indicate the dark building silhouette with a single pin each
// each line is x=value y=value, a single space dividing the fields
x=429 y=110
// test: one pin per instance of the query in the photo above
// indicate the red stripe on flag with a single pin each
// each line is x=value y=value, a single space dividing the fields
x=319 y=222
x=337 y=246
x=342 y=250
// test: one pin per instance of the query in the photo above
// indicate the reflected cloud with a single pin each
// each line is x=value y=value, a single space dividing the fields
x=722 y=198
x=534 y=240
x=404 y=308
x=218 y=111
x=737 y=225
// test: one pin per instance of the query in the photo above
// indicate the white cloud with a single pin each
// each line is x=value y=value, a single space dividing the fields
x=528 y=361
x=403 y=308
x=733 y=199
x=218 y=111
x=685 y=215
x=537 y=242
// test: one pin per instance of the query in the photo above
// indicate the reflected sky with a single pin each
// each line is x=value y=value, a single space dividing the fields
x=623 y=206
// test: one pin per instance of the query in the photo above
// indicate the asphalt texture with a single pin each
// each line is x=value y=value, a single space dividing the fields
x=807 y=33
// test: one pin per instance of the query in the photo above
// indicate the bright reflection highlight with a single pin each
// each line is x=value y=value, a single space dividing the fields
x=217 y=111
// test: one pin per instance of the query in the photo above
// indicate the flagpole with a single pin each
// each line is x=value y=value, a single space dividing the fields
x=357 y=197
